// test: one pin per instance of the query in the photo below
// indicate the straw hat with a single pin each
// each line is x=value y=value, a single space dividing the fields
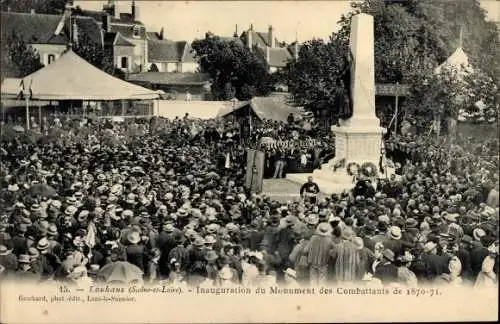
x=134 y=237
x=4 y=250
x=478 y=233
x=70 y=210
x=24 y=258
x=429 y=246
x=43 y=244
x=411 y=223
x=210 y=239
x=324 y=229
x=395 y=232
x=52 y=230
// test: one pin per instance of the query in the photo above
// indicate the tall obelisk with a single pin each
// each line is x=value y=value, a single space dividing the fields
x=358 y=140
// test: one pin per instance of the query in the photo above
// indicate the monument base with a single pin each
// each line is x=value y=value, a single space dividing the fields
x=357 y=147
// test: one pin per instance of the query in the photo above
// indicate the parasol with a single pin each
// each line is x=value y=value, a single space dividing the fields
x=42 y=189
x=120 y=271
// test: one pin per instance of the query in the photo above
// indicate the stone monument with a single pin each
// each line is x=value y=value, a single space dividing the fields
x=358 y=140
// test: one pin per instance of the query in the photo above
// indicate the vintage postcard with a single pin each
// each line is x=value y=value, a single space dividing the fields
x=249 y=161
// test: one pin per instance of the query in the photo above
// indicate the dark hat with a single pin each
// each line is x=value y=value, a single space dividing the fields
x=388 y=254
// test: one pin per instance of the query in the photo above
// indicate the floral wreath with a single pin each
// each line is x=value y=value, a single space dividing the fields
x=352 y=168
x=368 y=169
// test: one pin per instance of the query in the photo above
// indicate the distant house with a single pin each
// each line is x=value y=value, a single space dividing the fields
x=39 y=31
x=170 y=56
x=177 y=86
x=276 y=54
x=124 y=33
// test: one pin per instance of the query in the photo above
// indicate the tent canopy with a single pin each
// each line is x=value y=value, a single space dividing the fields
x=274 y=107
x=458 y=60
x=72 y=78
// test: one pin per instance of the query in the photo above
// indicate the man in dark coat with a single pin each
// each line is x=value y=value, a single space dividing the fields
x=386 y=271
x=136 y=253
x=434 y=264
x=478 y=254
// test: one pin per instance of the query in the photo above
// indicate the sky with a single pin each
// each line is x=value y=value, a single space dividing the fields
x=187 y=20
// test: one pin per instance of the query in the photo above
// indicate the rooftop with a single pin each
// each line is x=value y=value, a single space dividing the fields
x=171 y=78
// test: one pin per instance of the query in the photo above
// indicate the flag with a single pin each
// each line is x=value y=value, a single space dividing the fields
x=60 y=26
x=30 y=90
x=21 y=90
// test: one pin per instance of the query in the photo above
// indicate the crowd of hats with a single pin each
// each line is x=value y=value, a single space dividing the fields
x=168 y=199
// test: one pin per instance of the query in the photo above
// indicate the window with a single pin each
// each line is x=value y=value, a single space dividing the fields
x=124 y=62
x=51 y=58
x=137 y=31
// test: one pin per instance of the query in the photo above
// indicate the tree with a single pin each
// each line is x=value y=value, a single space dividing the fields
x=234 y=69
x=89 y=50
x=18 y=58
x=40 y=6
x=411 y=38
x=314 y=79
x=97 y=56
x=453 y=94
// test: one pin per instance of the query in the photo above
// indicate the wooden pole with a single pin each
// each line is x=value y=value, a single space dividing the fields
x=40 y=116
x=396 y=103
x=27 y=112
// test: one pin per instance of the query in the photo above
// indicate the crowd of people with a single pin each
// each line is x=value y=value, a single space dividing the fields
x=164 y=201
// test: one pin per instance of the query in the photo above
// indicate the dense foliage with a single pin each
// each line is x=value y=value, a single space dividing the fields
x=97 y=56
x=40 y=6
x=18 y=58
x=411 y=39
x=236 y=72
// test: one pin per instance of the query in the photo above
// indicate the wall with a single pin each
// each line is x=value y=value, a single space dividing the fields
x=196 y=92
x=119 y=52
x=189 y=67
x=45 y=49
x=196 y=109
x=140 y=54
x=184 y=67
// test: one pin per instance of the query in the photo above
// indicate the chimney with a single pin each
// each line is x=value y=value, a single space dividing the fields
x=271 y=40
x=32 y=11
x=160 y=35
x=106 y=22
x=235 y=35
x=267 y=54
x=135 y=11
x=249 y=38
x=116 y=10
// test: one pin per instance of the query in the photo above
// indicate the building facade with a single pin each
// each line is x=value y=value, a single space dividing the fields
x=42 y=32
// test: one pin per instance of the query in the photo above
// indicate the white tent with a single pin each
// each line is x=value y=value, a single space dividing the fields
x=72 y=78
x=458 y=61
